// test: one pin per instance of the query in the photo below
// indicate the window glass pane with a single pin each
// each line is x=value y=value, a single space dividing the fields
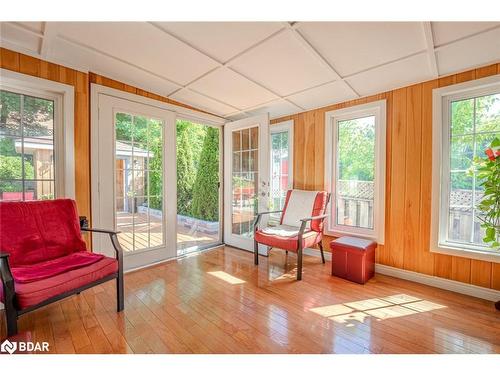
x=479 y=118
x=461 y=152
x=38 y=117
x=10 y=113
x=355 y=172
x=26 y=147
x=488 y=113
x=462 y=117
x=280 y=160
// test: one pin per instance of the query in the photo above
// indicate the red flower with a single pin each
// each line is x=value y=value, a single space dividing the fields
x=492 y=154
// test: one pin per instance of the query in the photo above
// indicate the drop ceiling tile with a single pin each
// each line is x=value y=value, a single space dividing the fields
x=469 y=53
x=283 y=65
x=447 y=32
x=276 y=109
x=398 y=74
x=352 y=47
x=202 y=102
x=237 y=116
x=142 y=45
x=19 y=37
x=68 y=54
x=331 y=93
x=232 y=88
x=221 y=40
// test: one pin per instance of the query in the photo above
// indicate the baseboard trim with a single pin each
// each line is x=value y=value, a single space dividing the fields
x=437 y=282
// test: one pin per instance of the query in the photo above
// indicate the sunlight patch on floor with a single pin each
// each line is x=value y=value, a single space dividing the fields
x=226 y=277
x=381 y=308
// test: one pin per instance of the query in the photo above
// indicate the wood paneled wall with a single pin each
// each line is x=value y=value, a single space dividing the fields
x=408 y=178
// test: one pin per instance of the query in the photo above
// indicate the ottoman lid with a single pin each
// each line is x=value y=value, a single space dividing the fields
x=353 y=242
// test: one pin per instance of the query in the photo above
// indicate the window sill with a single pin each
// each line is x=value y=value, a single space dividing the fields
x=455 y=250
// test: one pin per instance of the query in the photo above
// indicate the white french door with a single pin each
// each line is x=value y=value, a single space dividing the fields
x=246 y=178
x=134 y=189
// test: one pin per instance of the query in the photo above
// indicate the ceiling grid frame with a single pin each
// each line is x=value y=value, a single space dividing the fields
x=50 y=33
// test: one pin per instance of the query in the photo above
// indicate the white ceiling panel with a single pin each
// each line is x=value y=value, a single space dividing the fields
x=468 y=53
x=276 y=109
x=331 y=93
x=352 y=47
x=233 y=89
x=283 y=65
x=447 y=32
x=16 y=35
x=69 y=54
x=221 y=40
x=143 y=45
x=398 y=74
x=36 y=27
x=202 y=102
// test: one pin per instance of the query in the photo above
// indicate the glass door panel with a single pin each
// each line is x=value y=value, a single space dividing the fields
x=246 y=179
x=138 y=181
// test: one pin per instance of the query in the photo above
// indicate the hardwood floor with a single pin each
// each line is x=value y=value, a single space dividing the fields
x=218 y=302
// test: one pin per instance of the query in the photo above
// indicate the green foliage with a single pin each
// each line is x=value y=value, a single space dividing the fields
x=489 y=174
x=206 y=189
x=36 y=113
x=357 y=149
x=10 y=169
x=185 y=172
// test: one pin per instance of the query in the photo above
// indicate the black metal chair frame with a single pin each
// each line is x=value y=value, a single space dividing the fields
x=302 y=229
x=12 y=312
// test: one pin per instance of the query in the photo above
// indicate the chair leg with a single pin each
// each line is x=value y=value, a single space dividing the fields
x=299 y=263
x=256 y=253
x=120 y=296
x=11 y=315
x=322 y=254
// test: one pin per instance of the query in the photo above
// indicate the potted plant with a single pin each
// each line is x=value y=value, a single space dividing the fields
x=489 y=174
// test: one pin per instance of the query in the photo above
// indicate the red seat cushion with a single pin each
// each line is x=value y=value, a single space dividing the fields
x=30 y=294
x=38 y=231
x=290 y=243
x=53 y=267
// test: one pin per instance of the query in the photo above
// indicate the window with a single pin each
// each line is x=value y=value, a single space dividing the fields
x=36 y=148
x=355 y=170
x=466 y=120
x=281 y=164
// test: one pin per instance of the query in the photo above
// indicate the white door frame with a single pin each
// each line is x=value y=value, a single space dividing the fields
x=263 y=189
x=104 y=202
x=96 y=91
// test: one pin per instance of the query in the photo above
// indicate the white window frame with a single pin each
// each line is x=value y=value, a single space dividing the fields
x=442 y=99
x=332 y=118
x=63 y=96
x=279 y=127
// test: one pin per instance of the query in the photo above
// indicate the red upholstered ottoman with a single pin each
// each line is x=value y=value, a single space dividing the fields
x=353 y=259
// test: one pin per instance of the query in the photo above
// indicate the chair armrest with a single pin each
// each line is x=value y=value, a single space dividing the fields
x=269 y=212
x=306 y=219
x=259 y=215
x=97 y=230
x=114 y=240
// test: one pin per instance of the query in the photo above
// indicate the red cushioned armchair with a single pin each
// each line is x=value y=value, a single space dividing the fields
x=43 y=257
x=301 y=225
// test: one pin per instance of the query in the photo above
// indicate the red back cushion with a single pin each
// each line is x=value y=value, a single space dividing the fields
x=319 y=208
x=36 y=231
